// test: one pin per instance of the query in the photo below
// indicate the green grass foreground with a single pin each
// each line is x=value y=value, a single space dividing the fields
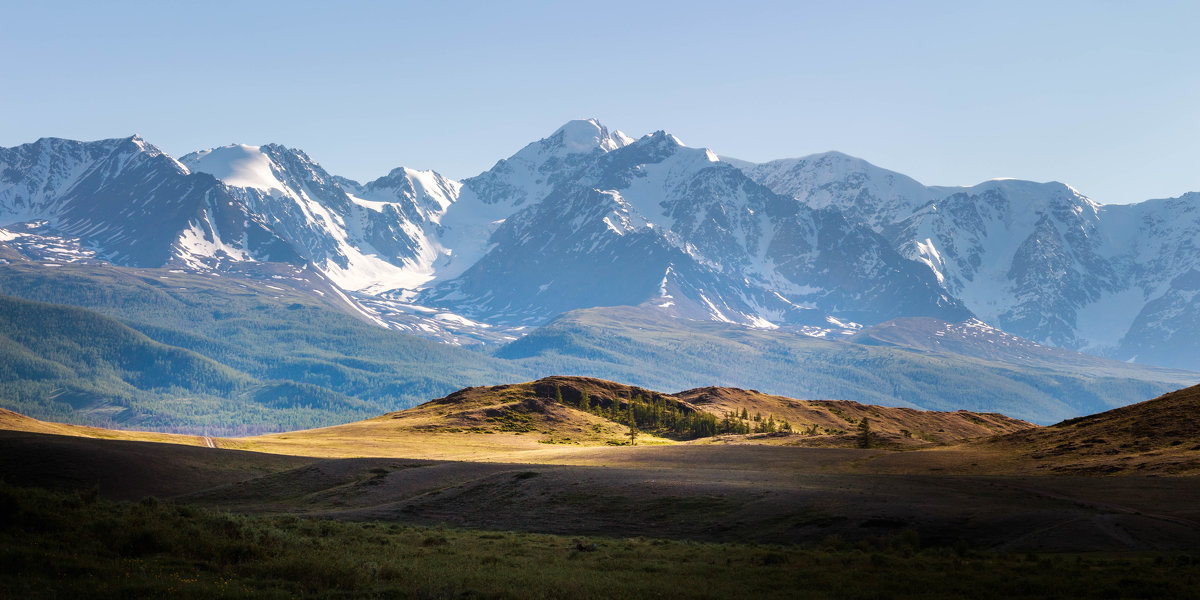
x=74 y=545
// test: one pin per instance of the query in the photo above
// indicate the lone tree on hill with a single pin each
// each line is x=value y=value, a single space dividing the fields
x=864 y=433
x=633 y=431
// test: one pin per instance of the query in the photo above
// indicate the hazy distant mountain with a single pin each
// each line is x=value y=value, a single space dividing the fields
x=1037 y=259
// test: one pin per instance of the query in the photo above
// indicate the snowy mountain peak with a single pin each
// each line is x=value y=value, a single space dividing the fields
x=141 y=143
x=125 y=147
x=659 y=146
x=664 y=139
x=237 y=165
x=582 y=136
x=1032 y=188
x=432 y=184
x=1028 y=197
x=419 y=198
x=866 y=193
x=373 y=237
x=530 y=174
x=579 y=137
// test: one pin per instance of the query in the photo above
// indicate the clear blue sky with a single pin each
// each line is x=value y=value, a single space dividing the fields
x=1102 y=95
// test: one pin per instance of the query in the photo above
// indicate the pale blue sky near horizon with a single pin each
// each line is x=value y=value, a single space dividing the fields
x=1104 y=96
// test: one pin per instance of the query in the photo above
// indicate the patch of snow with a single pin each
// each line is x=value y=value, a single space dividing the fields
x=761 y=323
x=843 y=324
x=442 y=191
x=662 y=285
x=714 y=311
x=459 y=319
x=238 y=165
x=373 y=205
x=194 y=246
x=359 y=309
x=371 y=274
x=930 y=256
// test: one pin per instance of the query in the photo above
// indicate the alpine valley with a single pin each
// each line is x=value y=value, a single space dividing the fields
x=244 y=289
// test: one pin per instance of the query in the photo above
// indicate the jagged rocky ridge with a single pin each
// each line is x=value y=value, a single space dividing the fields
x=655 y=222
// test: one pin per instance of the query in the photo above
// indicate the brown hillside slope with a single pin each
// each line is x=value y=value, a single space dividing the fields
x=493 y=423
x=127 y=469
x=1159 y=436
x=503 y=422
x=507 y=422
x=12 y=421
x=837 y=421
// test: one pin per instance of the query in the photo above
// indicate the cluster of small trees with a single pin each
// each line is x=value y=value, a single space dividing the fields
x=663 y=416
x=656 y=415
x=742 y=422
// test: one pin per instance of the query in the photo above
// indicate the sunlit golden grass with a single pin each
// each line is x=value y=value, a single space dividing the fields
x=18 y=422
x=512 y=424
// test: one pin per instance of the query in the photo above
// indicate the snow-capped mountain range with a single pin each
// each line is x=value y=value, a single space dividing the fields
x=1039 y=260
x=591 y=217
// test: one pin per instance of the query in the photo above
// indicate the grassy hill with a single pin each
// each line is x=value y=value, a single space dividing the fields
x=269 y=326
x=13 y=421
x=1160 y=436
x=530 y=420
x=70 y=364
x=506 y=421
x=840 y=422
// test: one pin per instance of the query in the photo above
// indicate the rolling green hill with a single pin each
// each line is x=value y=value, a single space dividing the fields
x=266 y=328
x=65 y=362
